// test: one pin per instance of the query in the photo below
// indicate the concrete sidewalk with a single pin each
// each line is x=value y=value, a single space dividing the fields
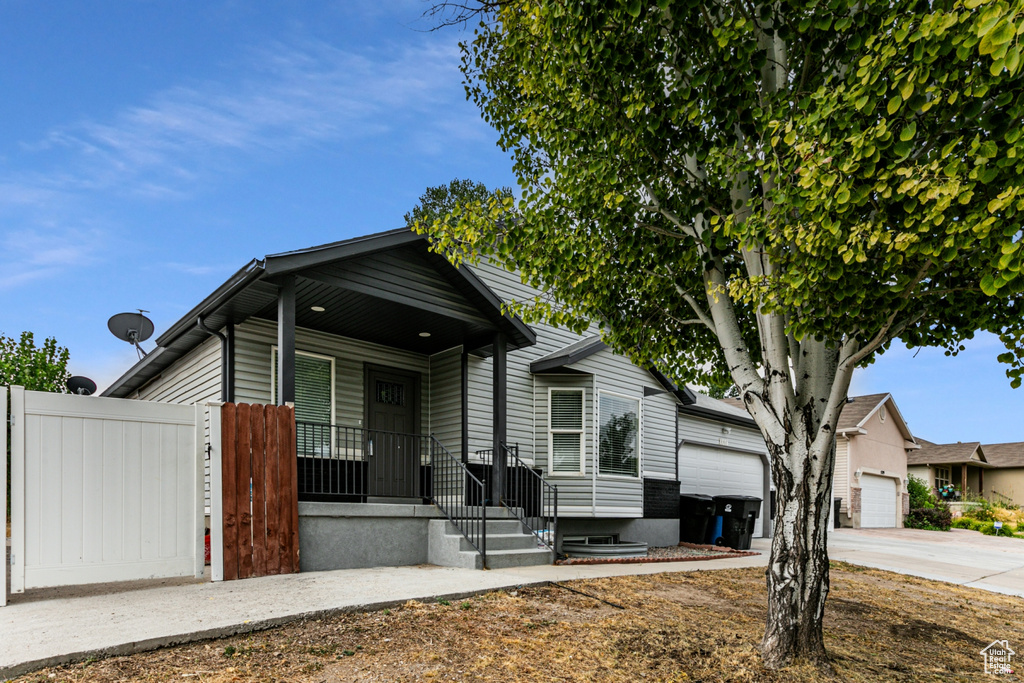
x=73 y=624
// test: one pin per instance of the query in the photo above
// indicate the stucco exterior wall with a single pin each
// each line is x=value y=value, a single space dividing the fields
x=973 y=483
x=1008 y=482
x=880 y=449
x=922 y=472
x=878 y=452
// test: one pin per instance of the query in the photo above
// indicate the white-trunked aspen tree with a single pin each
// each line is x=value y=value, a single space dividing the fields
x=763 y=194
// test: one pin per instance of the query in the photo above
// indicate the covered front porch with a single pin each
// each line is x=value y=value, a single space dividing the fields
x=391 y=292
x=370 y=341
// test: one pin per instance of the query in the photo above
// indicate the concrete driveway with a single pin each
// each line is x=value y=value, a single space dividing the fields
x=959 y=556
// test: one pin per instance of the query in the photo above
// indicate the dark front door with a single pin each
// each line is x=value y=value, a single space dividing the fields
x=392 y=426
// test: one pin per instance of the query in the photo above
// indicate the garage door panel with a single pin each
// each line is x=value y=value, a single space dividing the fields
x=877 y=502
x=719 y=472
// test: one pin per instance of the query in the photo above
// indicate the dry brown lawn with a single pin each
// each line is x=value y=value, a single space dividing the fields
x=691 y=626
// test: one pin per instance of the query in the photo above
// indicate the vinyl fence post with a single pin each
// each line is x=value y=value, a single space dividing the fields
x=216 y=495
x=199 y=508
x=17 y=568
x=3 y=495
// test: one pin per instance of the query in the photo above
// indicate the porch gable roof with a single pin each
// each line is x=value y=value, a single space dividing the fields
x=387 y=288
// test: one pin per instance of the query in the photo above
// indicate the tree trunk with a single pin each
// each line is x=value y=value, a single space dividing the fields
x=798 y=580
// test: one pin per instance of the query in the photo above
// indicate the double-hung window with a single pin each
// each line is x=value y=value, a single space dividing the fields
x=565 y=434
x=618 y=450
x=941 y=477
x=314 y=401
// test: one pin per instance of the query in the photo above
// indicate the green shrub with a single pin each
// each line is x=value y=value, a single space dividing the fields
x=987 y=528
x=982 y=512
x=921 y=495
x=968 y=523
x=933 y=518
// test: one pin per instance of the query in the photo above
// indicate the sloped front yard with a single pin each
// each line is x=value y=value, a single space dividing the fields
x=694 y=626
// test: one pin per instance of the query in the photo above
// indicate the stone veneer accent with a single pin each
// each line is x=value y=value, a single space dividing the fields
x=855 y=499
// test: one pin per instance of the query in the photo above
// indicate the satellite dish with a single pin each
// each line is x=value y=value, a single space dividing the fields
x=83 y=386
x=132 y=328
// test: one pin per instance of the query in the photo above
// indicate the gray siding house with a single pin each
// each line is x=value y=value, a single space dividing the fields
x=379 y=335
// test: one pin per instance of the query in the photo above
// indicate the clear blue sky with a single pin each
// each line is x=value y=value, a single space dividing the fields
x=150 y=149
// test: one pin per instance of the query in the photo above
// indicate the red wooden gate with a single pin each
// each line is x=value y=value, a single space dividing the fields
x=260 y=489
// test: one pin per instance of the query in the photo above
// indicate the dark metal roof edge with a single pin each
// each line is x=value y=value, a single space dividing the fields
x=697 y=411
x=143 y=363
x=553 y=362
x=237 y=282
x=685 y=395
x=494 y=300
x=291 y=261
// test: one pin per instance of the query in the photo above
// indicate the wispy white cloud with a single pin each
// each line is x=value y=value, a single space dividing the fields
x=277 y=102
x=291 y=96
x=31 y=255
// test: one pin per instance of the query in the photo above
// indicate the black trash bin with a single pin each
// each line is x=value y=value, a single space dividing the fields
x=695 y=509
x=837 y=503
x=738 y=516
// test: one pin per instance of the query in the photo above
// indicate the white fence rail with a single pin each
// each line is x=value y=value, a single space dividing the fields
x=104 y=489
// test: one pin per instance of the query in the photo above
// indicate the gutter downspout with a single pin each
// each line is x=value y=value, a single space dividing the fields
x=227 y=359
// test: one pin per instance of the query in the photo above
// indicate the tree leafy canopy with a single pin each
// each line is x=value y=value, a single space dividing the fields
x=24 y=364
x=853 y=170
x=440 y=201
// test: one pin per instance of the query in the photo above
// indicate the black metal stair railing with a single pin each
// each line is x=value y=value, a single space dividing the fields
x=531 y=499
x=338 y=464
x=454 y=490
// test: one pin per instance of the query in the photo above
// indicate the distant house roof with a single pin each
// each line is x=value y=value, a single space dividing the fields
x=859 y=409
x=855 y=414
x=957 y=453
x=1005 y=454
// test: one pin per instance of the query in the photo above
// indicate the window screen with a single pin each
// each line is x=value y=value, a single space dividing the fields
x=313 y=402
x=618 y=449
x=566 y=420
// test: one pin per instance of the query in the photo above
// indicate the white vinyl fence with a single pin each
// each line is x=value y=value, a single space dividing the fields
x=104 y=489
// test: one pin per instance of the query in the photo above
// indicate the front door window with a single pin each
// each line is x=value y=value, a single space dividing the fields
x=393 y=447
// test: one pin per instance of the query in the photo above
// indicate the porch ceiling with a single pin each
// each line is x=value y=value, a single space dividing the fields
x=375 y=319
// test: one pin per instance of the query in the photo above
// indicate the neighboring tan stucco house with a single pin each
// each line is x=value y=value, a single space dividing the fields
x=1005 y=481
x=872 y=442
x=962 y=464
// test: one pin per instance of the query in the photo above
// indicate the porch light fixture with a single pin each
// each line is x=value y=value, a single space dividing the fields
x=424 y=334
x=317 y=309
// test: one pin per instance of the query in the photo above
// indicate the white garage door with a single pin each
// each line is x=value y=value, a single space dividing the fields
x=877 y=502
x=718 y=472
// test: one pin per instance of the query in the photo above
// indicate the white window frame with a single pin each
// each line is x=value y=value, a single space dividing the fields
x=319 y=356
x=581 y=431
x=948 y=471
x=639 y=436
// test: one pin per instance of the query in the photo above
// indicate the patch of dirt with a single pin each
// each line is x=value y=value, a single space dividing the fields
x=691 y=626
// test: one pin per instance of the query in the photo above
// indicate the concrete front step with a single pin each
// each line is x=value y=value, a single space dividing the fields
x=519 y=541
x=500 y=559
x=507 y=546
